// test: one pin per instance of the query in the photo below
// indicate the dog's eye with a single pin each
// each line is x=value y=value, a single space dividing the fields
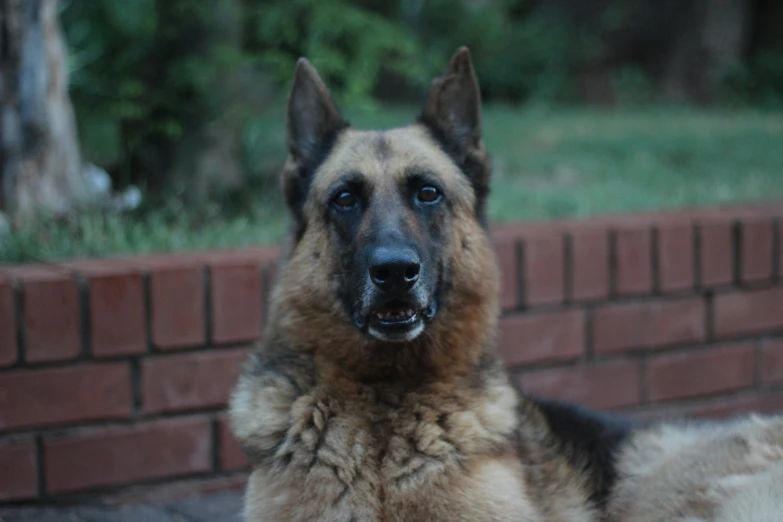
x=428 y=194
x=344 y=199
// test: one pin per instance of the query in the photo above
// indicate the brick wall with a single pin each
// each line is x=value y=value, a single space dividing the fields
x=114 y=374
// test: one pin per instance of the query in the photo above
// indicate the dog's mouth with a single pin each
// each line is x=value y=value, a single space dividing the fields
x=394 y=315
x=398 y=321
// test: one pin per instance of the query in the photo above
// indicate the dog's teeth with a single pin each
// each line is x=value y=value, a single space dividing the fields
x=395 y=315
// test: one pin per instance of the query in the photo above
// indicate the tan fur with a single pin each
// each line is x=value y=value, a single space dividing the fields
x=719 y=472
x=364 y=452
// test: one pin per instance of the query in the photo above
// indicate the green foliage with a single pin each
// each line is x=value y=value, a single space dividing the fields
x=758 y=82
x=133 y=62
x=346 y=42
x=633 y=87
x=109 y=40
x=144 y=72
x=519 y=53
x=140 y=73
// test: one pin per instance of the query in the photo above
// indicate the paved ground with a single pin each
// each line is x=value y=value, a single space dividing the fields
x=220 y=507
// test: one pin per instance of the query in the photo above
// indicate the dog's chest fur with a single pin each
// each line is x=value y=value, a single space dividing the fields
x=361 y=453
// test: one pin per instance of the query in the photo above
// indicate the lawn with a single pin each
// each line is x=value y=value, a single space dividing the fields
x=548 y=163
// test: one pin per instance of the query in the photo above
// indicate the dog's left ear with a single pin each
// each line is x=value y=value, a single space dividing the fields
x=452 y=114
x=313 y=124
x=453 y=106
x=312 y=119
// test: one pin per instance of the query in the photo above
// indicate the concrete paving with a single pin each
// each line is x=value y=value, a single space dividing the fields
x=219 y=507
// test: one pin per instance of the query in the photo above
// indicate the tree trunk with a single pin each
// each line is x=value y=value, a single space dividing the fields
x=707 y=46
x=40 y=164
x=687 y=45
x=767 y=23
x=684 y=45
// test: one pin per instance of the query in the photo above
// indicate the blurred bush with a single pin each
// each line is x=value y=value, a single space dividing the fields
x=148 y=76
x=347 y=41
x=519 y=53
x=169 y=93
x=757 y=82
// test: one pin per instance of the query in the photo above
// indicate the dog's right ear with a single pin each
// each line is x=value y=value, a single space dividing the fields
x=452 y=114
x=313 y=124
x=453 y=107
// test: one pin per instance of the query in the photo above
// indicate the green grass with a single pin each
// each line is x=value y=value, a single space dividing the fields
x=582 y=163
x=547 y=164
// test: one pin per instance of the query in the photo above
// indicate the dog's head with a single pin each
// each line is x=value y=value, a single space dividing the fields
x=389 y=226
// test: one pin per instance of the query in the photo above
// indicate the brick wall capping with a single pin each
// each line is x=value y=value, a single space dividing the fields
x=766 y=210
x=33 y=272
x=141 y=263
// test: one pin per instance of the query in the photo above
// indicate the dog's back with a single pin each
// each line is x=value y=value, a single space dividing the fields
x=727 y=471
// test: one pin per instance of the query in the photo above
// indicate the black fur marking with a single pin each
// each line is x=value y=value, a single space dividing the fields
x=295 y=369
x=473 y=169
x=346 y=489
x=590 y=441
x=382 y=147
x=344 y=228
x=268 y=457
x=297 y=186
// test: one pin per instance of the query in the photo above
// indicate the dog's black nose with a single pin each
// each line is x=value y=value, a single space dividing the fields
x=394 y=270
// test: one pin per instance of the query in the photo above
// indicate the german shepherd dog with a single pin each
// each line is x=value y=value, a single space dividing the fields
x=377 y=393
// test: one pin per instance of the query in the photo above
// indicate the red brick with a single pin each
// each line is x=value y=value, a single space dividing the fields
x=117 y=314
x=717 y=254
x=177 y=301
x=700 y=372
x=32 y=272
x=605 y=385
x=8 y=347
x=18 y=480
x=506 y=252
x=648 y=324
x=232 y=456
x=748 y=312
x=756 y=251
x=772 y=361
x=590 y=265
x=539 y=337
x=544 y=270
x=69 y=394
x=633 y=258
x=675 y=258
x=188 y=381
x=115 y=456
x=51 y=319
x=236 y=302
